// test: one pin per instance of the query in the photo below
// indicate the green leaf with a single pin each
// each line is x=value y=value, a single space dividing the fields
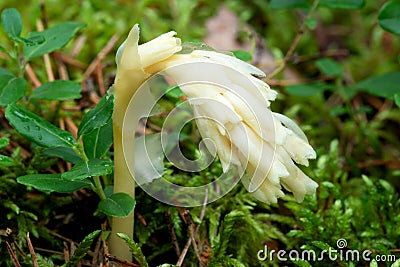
x=242 y=55
x=54 y=38
x=82 y=249
x=320 y=244
x=311 y=23
x=37 y=129
x=108 y=190
x=66 y=153
x=329 y=67
x=278 y=4
x=301 y=263
x=385 y=85
x=397 y=99
x=4 y=142
x=396 y=263
x=44 y=261
x=135 y=249
x=12 y=22
x=343 y=4
x=306 y=89
x=6 y=161
x=12 y=89
x=389 y=17
x=52 y=183
x=97 y=117
x=373 y=263
x=118 y=204
x=58 y=90
x=4 y=71
x=97 y=142
x=83 y=170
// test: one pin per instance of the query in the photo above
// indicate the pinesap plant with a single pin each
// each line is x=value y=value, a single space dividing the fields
x=332 y=214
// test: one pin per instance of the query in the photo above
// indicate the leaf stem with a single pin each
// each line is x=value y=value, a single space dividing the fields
x=80 y=152
x=99 y=187
x=295 y=42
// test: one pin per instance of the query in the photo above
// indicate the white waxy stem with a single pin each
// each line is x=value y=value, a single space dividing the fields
x=132 y=63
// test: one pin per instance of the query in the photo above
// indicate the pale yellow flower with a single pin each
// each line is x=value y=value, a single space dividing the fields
x=244 y=131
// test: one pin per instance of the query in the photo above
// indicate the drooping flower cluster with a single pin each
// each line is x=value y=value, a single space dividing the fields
x=235 y=111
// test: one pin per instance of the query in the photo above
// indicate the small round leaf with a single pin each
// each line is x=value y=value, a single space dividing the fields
x=118 y=204
x=389 y=17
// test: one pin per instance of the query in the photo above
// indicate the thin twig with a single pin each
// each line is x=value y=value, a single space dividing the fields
x=288 y=55
x=296 y=41
x=4 y=56
x=71 y=126
x=69 y=166
x=62 y=69
x=105 y=245
x=20 y=251
x=72 y=108
x=67 y=256
x=329 y=53
x=32 y=251
x=94 y=97
x=203 y=208
x=107 y=48
x=184 y=251
x=54 y=233
x=79 y=43
x=378 y=162
x=394 y=250
x=12 y=255
x=50 y=251
x=61 y=124
x=96 y=252
x=100 y=80
x=72 y=61
x=171 y=229
x=72 y=248
x=192 y=234
x=192 y=231
x=44 y=15
x=32 y=76
x=141 y=218
x=46 y=57
x=24 y=153
x=121 y=261
x=60 y=167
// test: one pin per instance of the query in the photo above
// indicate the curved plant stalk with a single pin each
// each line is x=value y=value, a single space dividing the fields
x=132 y=61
